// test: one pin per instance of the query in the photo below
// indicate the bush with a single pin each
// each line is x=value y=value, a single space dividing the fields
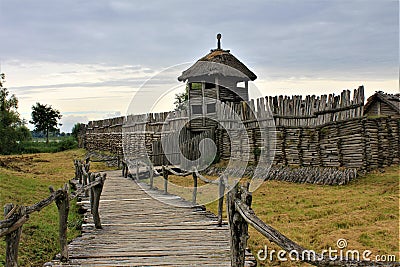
x=66 y=143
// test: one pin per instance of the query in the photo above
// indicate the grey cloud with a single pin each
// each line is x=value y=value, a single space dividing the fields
x=68 y=121
x=144 y=86
x=39 y=88
x=289 y=36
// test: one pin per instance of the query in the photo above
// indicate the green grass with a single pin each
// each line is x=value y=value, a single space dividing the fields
x=364 y=212
x=24 y=180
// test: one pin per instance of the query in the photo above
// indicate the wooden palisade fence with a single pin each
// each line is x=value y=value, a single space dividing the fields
x=15 y=216
x=330 y=132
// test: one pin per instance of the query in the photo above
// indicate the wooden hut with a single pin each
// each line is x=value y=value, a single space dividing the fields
x=382 y=104
x=217 y=76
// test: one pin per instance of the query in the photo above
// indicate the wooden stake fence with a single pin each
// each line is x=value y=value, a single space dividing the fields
x=16 y=216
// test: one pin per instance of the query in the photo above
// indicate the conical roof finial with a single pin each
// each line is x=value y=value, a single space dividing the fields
x=219 y=41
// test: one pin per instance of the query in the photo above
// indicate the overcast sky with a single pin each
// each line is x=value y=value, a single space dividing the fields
x=88 y=58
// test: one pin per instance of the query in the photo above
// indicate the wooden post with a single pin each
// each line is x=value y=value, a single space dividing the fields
x=204 y=106
x=12 y=240
x=233 y=220
x=85 y=181
x=246 y=198
x=194 y=196
x=137 y=170
x=124 y=169
x=165 y=175
x=151 y=173
x=79 y=166
x=76 y=169
x=87 y=167
x=62 y=202
x=221 y=199
x=91 y=178
x=97 y=189
x=237 y=225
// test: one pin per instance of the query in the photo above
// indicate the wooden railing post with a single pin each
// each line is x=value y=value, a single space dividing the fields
x=165 y=175
x=95 y=201
x=246 y=198
x=124 y=169
x=221 y=187
x=85 y=181
x=91 y=178
x=237 y=225
x=12 y=239
x=78 y=171
x=62 y=202
x=151 y=173
x=194 y=196
x=87 y=167
x=137 y=170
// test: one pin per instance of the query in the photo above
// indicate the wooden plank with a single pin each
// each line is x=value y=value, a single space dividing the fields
x=139 y=230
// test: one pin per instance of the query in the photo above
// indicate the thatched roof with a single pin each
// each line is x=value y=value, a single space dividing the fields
x=218 y=62
x=390 y=99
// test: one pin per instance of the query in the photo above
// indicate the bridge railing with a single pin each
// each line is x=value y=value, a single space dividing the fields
x=240 y=215
x=16 y=216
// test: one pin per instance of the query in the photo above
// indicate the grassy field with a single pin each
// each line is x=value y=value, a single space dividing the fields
x=365 y=213
x=24 y=180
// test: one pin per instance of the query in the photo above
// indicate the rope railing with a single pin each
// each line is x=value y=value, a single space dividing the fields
x=16 y=216
x=221 y=182
x=171 y=170
x=136 y=162
x=204 y=179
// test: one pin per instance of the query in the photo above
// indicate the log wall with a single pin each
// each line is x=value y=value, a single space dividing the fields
x=325 y=131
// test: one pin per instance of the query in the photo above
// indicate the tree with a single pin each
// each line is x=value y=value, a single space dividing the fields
x=181 y=100
x=8 y=106
x=75 y=130
x=12 y=128
x=45 y=119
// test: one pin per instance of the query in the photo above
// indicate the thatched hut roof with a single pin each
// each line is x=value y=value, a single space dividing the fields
x=218 y=62
x=392 y=100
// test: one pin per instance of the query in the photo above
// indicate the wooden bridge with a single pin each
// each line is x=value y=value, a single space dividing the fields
x=144 y=227
x=139 y=230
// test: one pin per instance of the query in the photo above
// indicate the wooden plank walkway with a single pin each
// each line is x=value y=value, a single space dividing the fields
x=139 y=230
